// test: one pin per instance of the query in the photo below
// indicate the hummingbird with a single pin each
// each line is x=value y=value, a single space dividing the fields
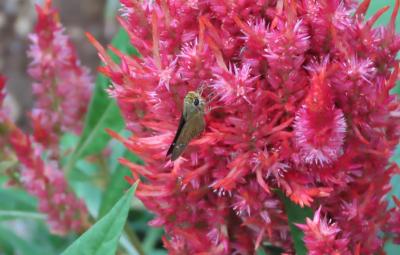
x=191 y=124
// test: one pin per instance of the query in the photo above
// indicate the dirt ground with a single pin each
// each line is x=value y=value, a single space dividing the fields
x=17 y=18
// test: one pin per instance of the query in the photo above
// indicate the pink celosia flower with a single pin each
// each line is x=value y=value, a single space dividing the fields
x=62 y=85
x=322 y=237
x=6 y=125
x=301 y=103
x=43 y=180
x=47 y=182
x=2 y=96
x=319 y=128
x=5 y=122
x=2 y=86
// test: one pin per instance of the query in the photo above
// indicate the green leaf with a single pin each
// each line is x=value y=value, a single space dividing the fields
x=90 y=193
x=260 y=251
x=39 y=234
x=103 y=111
x=9 y=240
x=117 y=184
x=296 y=214
x=268 y=249
x=16 y=200
x=153 y=235
x=102 y=238
x=159 y=252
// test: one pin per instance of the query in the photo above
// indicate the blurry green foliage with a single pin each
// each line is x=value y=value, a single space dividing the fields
x=103 y=237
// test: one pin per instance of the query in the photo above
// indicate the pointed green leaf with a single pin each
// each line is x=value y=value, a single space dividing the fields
x=11 y=241
x=102 y=238
x=296 y=214
x=16 y=199
x=117 y=184
x=103 y=111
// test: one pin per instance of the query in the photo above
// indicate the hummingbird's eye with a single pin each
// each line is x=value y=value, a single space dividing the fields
x=196 y=102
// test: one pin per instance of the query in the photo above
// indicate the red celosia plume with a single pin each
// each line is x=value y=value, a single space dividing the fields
x=299 y=100
x=62 y=90
x=62 y=85
x=47 y=182
x=43 y=180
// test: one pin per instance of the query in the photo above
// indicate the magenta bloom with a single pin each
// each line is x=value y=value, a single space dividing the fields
x=5 y=122
x=321 y=237
x=319 y=127
x=2 y=96
x=43 y=180
x=62 y=85
x=300 y=102
x=46 y=181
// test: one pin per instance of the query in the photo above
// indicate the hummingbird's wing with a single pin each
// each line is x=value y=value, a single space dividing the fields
x=178 y=132
x=190 y=129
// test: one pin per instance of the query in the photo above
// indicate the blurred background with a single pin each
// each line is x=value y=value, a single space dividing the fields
x=17 y=19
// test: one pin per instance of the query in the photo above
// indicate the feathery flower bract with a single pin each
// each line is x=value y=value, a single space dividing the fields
x=41 y=179
x=62 y=86
x=300 y=100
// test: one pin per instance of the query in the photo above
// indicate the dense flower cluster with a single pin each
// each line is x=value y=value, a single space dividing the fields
x=299 y=98
x=47 y=182
x=63 y=86
x=320 y=237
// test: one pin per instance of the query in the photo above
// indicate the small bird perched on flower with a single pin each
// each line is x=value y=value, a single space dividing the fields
x=190 y=125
